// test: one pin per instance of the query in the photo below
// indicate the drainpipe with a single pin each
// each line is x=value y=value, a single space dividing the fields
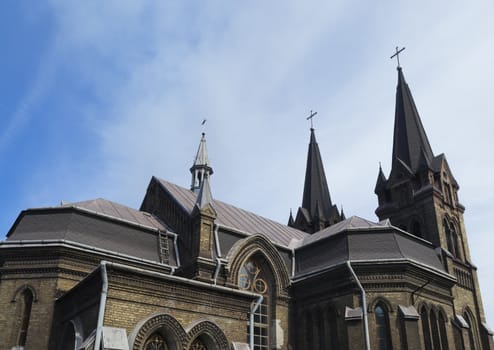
x=217 y=270
x=251 y=323
x=175 y=247
x=102 y=305
x=364 y=306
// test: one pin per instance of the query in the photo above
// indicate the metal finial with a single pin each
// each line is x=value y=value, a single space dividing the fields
x=397 y=55
x=312 y=115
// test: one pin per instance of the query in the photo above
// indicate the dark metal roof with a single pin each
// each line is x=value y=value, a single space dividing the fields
x=236 y=218
x=316 y=191
x=360 y=240
x=410 y=143
x=96 y=223
x=353 y=222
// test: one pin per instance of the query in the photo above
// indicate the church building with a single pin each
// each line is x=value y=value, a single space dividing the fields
x=187 y=271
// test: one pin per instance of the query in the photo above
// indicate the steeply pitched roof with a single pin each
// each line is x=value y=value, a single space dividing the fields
x=236 y=218
x=410 y=143
x=316 y=191
x=202 y=158
x=204 y=197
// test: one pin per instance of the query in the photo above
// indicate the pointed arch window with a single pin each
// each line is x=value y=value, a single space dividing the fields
x=451 y=238
x=434 y=331
x=426 y=333
x=471 y=336
x=309 y=331
x=331 y=330
x=382 y=328
x=442 y=331
x=255 y=276
x=156 y=342
x=27 y=303
x=198 y=345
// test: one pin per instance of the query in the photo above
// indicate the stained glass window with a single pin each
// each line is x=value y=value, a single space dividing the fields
x=252 y=278
x=156 y=342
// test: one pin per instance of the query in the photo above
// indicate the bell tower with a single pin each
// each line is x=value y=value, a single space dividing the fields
x=201 y=168
x=420 y=196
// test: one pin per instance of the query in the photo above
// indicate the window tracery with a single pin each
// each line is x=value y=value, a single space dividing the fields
x=253 y=277
x=198 y=345
x=156 y=342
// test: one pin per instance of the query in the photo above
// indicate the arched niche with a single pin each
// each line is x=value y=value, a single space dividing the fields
x=160 y=325
x=206 y=333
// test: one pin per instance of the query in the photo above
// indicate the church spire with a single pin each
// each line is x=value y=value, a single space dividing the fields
x=201 y=168
x=317 y=210
x=316 y=187
x=410 y=143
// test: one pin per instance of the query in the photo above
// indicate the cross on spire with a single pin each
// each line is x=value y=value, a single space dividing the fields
x=312 y=115
x=397 y=55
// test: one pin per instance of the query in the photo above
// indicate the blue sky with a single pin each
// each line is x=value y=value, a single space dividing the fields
x=96 y=97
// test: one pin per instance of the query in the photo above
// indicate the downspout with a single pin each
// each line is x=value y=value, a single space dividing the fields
x=102 y=305
x=251 y=321
x=217 y=270
x=364 y=306
x=175 y=247
x=293 y=262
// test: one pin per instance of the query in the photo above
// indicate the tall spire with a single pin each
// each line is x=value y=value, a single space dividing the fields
x=410 y=143
x=317 y=210
x=316 y=187
x=201 y=168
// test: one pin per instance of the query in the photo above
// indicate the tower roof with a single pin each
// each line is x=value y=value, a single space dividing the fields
x=204 y=198
x=316 y=197
x=410 y=143
x=202 y=154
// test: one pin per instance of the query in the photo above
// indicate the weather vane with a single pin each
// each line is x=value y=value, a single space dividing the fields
x=312 y=115
x=397 y=55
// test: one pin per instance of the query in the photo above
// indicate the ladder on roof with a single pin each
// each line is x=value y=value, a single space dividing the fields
x=163 y=247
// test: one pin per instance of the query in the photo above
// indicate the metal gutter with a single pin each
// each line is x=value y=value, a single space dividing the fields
x=364 y=306
x=102 y=306
x=179 y=279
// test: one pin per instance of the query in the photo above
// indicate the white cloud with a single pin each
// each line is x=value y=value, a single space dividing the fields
x=255 y=70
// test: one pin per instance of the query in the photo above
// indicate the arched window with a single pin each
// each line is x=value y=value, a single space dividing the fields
x=156 y=342
x=434 y=331
x=198 y=345
x=331 y=332
x=321 y=330
x=424 y=317
x=382 y=328
x=255 y=276
x=27 y=303
x=471 y=336
x=309 y=331
x=442 y=331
